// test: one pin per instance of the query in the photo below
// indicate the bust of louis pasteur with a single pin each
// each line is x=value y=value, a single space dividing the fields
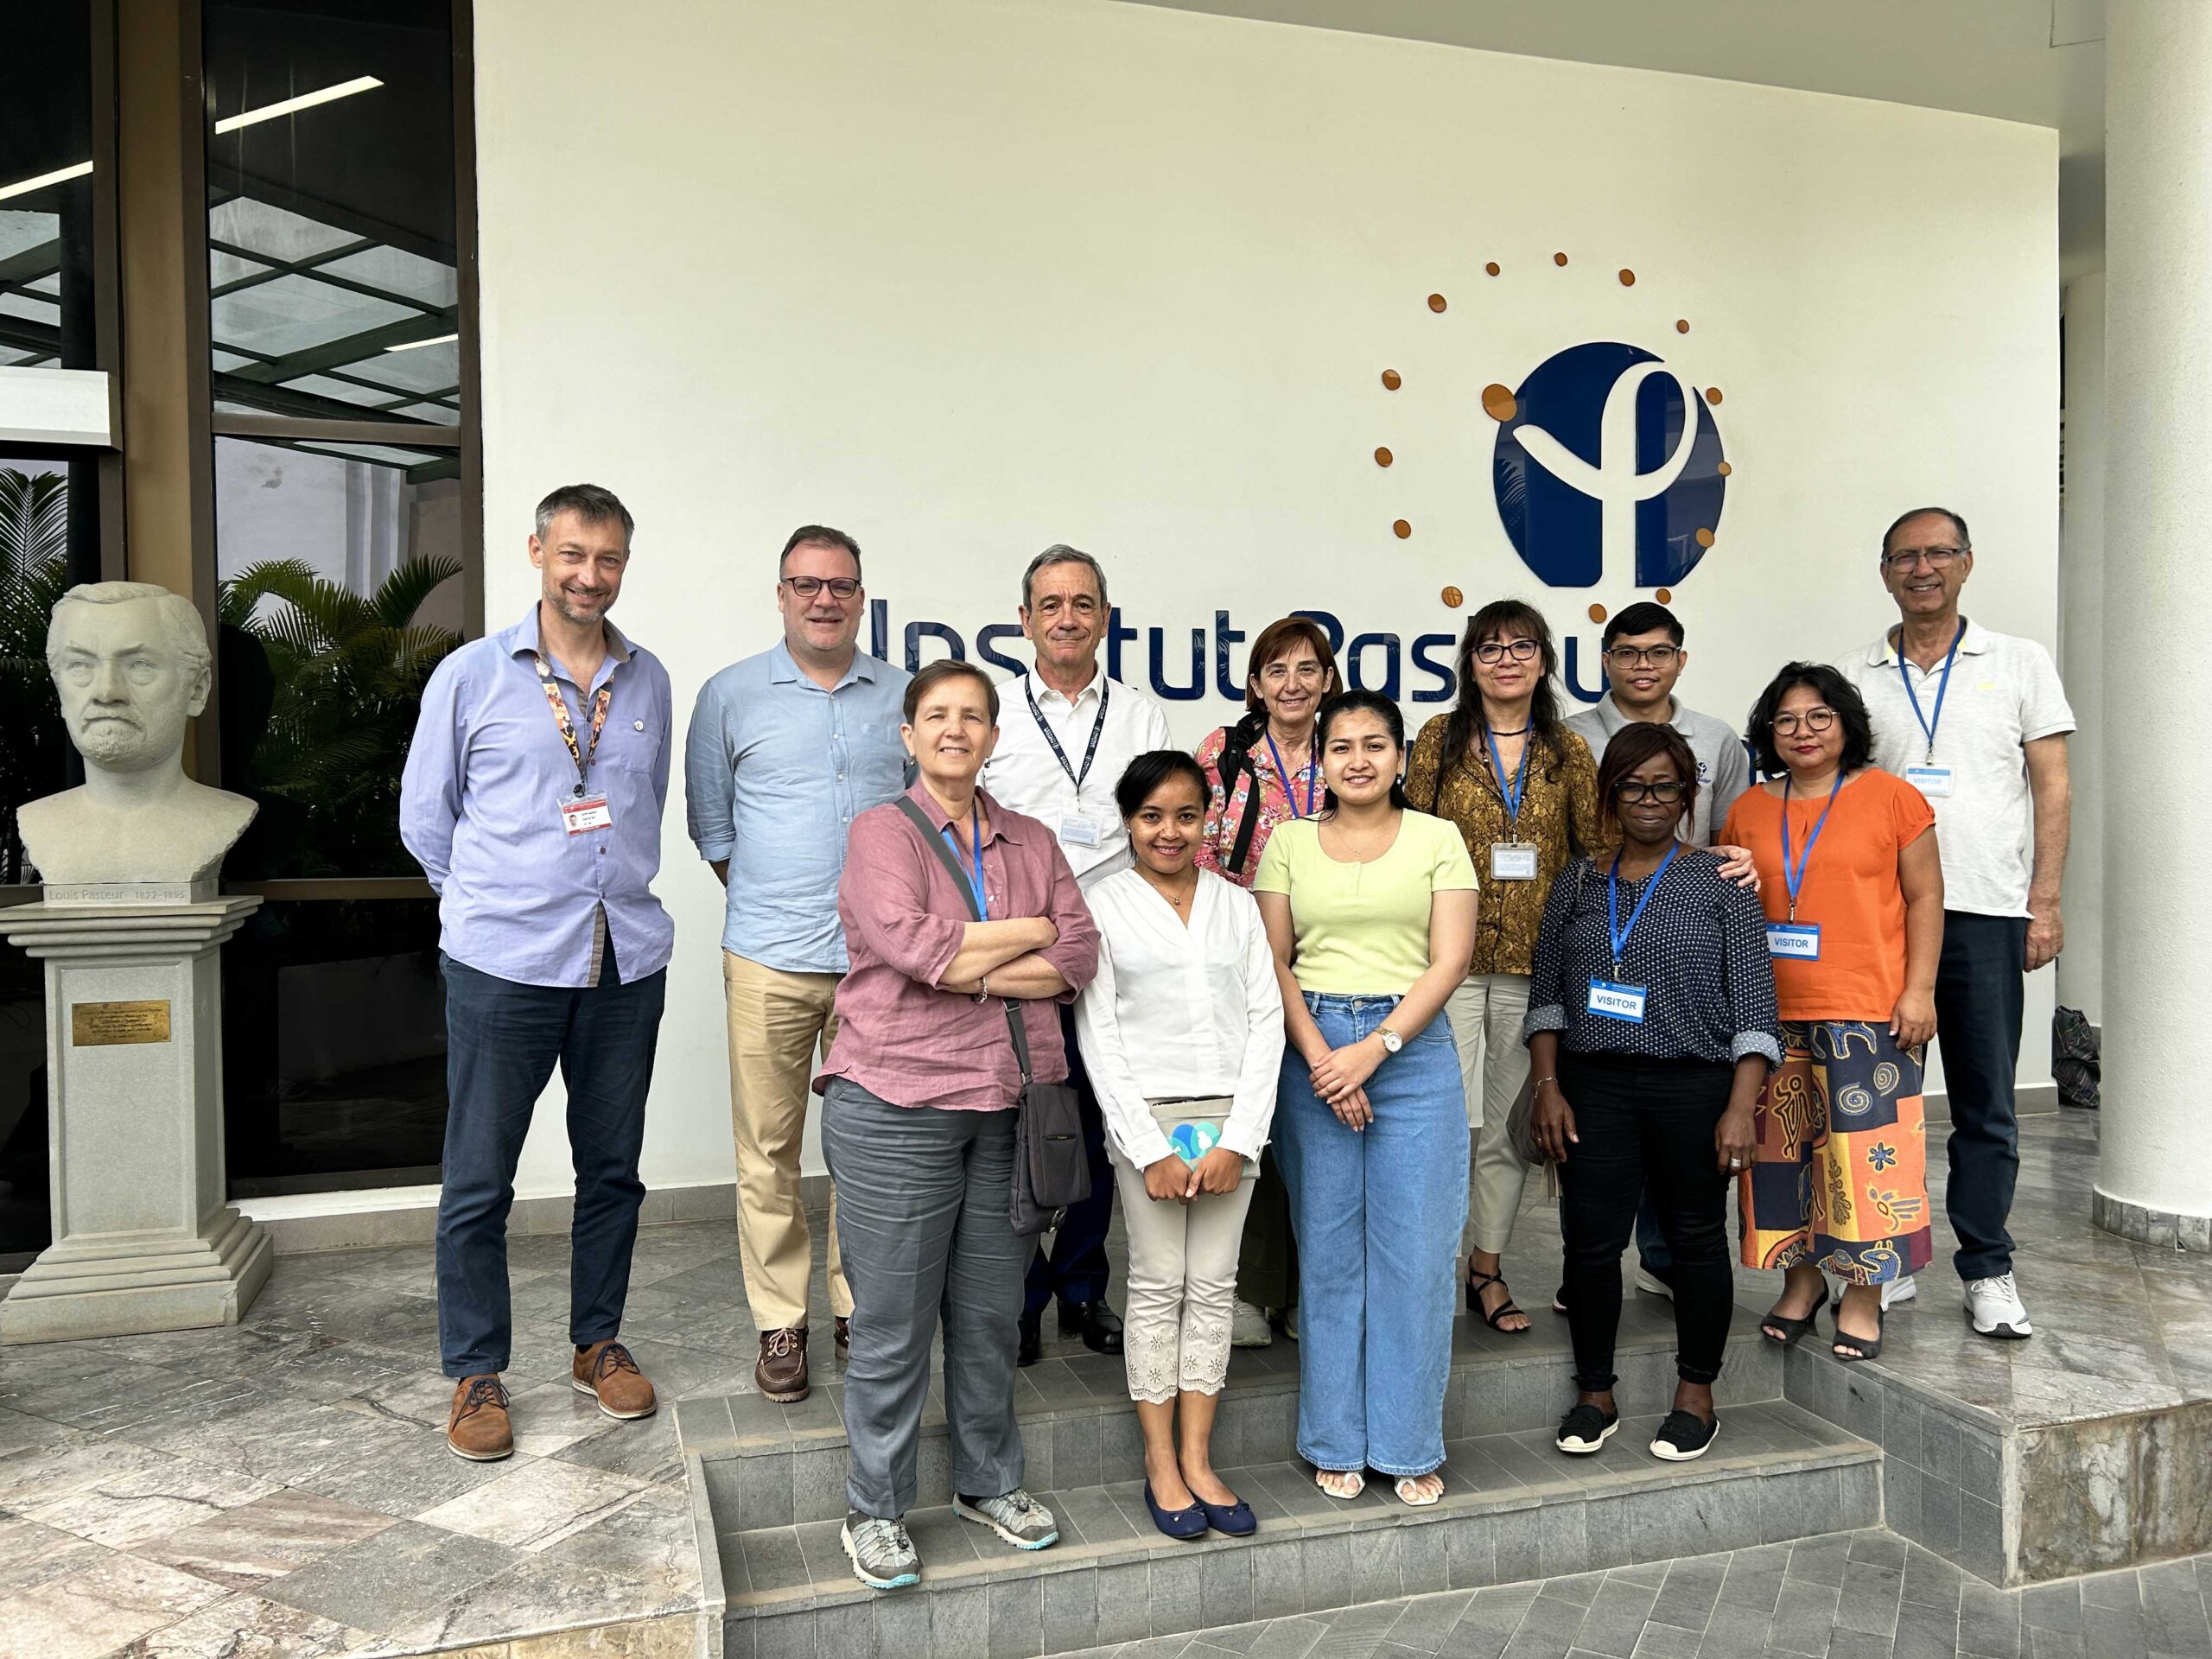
x=131 y=662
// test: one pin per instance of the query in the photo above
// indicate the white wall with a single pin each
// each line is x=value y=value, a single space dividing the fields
x=967 y=277
x=2081 y=643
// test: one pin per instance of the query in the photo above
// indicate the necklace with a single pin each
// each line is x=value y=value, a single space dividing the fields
x=1181 y=901
x=1518 y=731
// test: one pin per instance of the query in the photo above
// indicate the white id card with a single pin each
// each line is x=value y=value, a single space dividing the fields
x=585 y=813
x=1934 y=782
x=1612 y=1001
x=1078 y=829
x=1798 y=941
x=1513 y=860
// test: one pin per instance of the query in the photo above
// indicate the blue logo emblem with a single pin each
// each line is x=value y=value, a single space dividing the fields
x=1609 y=458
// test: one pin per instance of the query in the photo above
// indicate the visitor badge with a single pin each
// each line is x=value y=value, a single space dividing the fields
x=1513 y=860
x=1613 y=1001
x=1799 y=941
x=1078 y=829
x=1934 y=782
x=586 y=813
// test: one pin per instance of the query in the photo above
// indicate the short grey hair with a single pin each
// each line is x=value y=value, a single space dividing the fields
x=180 y=619
x=1061 y=553
x=590 y=502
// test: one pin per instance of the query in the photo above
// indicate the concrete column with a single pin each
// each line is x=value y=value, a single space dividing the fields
x=2082 y=642
x=2154 y=1179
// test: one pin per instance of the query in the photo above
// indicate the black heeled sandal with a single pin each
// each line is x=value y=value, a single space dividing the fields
x=1792 y=1329
x=1476 y=1283
x=1868 y=1347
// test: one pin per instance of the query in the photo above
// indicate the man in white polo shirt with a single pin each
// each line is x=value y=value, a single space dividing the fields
x=1978 y=721
x=1067 y=733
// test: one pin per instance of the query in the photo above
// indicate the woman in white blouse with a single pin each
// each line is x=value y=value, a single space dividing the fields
x=1182 y=1033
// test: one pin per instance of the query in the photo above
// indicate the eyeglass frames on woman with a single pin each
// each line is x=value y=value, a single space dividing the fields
x=1643 y=656
x=1813 y=720
x=808 y=587
x=1491 y=652
x=1632 y=789
x=1307 y=672
x=1939 y=559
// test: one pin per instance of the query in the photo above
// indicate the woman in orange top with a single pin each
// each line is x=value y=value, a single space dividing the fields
x=1854 y=905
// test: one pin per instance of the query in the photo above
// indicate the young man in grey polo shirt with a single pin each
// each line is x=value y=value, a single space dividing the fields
x=1978 y=721
x=1644 y=658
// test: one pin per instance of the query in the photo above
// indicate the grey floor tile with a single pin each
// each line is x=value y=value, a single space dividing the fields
x=388 y=1581
x=1548 y=1630
x=1804 y=1618
x=1691 y=1587
x=1871 y=1597
x=1615 y=1620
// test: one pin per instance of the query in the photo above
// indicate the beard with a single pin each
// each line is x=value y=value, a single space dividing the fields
x=111 y=739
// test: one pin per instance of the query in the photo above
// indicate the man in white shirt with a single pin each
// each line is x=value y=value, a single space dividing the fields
x=1978 y=720
x=1065 y=735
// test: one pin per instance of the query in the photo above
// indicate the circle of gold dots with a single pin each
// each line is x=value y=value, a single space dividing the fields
x=1597 y=613
x=1628 y=278
x=1491 y=267
x=1392 y=380
x=1713 y=394
x=1436 y=302
x=1401 y=529
x=1704 y=539
x=1682 y=324
x=1665 y=597
x=1559 y=259
x=1454 y=598
x=1724 y=469
x=1498 y=401
x=1381 y=457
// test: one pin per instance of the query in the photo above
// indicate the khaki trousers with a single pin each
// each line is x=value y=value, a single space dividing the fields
x=1486 y=1012
x=776 y=1019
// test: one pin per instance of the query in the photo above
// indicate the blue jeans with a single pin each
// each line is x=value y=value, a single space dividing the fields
x=1378 y=1214
x=502 y=1042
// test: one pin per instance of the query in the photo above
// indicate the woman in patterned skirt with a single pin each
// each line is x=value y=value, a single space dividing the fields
x=1854 y=904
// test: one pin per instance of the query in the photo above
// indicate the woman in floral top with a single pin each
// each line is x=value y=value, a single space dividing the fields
x=1523 y=791
x=1292 y=671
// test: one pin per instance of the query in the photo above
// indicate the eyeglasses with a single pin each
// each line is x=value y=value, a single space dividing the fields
x=1939 y=559
x=1812 y=720
x=1632 y=789
x=1643 y=656
x=1492 y=651
x=1308 y=673
x=808 y=587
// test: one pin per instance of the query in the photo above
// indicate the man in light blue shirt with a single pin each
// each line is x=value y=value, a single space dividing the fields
x=786 y=750
x=533 y=799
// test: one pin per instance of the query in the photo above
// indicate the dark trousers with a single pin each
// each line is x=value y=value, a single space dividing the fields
x=1980 y=991
x=1645 y=1126
x=1266 y=1259
x=502 y=1042
x=1075 y=1269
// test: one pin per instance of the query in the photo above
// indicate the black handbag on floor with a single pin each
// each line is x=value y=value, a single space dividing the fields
x=1052 y=1165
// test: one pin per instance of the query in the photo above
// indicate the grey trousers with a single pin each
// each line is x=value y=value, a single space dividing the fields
x=922 y=1207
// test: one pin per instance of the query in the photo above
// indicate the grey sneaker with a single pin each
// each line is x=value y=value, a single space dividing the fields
x=882 y=1554
x=1015 y=1516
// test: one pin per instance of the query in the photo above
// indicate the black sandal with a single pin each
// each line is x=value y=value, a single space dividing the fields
x=1476 y=1283
x=1868 y=1347
x=1793 y=1329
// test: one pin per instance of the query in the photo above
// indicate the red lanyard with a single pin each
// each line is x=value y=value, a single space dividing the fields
x=581 y=756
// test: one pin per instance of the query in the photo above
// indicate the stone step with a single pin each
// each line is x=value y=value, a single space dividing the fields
x=1514 y=1510
x=784 y=1465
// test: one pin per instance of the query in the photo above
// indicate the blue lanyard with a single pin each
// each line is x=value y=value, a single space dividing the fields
x=1512 y=791
x=1613 y=902
x=1943 y=685
x=1794 y=879
x=975 y=882
x=1312 y=782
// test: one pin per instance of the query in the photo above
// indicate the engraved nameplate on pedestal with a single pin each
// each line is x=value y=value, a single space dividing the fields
x=97 y=1024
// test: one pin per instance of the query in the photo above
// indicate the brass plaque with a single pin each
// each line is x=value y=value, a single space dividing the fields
x=97 y=1024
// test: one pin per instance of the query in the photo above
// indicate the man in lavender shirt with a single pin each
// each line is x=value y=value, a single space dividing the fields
x=533 y=799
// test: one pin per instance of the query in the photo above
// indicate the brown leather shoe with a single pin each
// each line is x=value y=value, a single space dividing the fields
x=780 y=1372
x=478 y=1428
x=605 y=1370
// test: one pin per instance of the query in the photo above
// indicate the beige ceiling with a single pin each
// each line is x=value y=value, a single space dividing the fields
x=2040 y=61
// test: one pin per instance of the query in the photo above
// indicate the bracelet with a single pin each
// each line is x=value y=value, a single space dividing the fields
x=1541 y=1082
x=983 y=988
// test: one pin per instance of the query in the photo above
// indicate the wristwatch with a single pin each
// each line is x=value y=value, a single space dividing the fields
x=1391 y=1041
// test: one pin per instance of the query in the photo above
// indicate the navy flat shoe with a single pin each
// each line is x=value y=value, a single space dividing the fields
x=1182 y=1525
x=1233 y=1520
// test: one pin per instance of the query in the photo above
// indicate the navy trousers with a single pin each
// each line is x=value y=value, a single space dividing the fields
x=502 y=1042
x=1980 y=992
x=1075 y=1269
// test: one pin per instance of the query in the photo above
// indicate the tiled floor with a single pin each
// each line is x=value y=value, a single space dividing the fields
x=1866 y=1595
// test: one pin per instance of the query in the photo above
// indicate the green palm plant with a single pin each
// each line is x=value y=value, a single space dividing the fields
x=345 y=680
x=33 y=573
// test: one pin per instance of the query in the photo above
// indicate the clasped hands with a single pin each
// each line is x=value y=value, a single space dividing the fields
x=1340 y=1076
x=1217 y=1172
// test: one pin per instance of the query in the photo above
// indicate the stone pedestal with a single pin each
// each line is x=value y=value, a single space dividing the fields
x=142 y=1239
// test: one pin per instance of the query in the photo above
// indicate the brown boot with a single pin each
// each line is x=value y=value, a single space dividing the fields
x=605 y=1370
x=479 y=1429
x=780 y=1372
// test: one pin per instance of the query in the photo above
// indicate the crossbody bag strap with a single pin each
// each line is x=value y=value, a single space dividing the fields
x=938 y=845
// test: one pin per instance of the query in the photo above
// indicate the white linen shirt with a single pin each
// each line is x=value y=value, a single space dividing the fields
x=2005 y=692
x=1025 y=774
x=1181 y=1012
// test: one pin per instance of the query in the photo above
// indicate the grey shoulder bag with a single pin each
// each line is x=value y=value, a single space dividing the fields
x=1051 y=1165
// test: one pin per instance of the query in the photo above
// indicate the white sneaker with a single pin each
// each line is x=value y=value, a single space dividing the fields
x=1248 y=1328
x=1995 y=1308
x=1899 y=1290
x=1652 y=1284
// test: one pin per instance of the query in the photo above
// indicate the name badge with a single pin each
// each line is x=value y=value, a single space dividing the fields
x=590 y=812
x=1934 y=782
x=1079 y=830
x=1621 y=1002
x=1513 y=860
x=1799 y=941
